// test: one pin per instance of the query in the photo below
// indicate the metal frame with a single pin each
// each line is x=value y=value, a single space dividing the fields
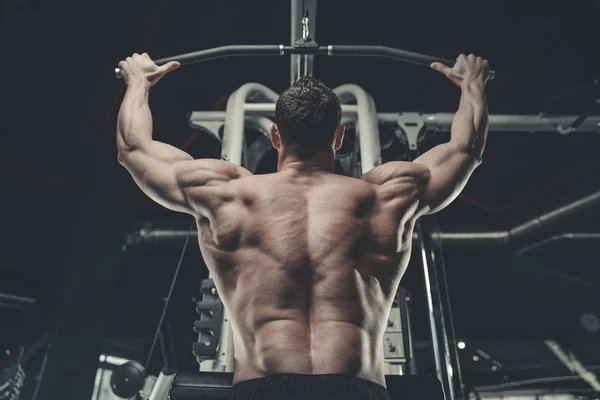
x=573 y=364
x=315 y=50
x=413 y=125
x=303 y=49
x=302 y=31
x=436 y=122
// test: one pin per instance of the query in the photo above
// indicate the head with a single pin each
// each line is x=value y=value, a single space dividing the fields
x=307 y=120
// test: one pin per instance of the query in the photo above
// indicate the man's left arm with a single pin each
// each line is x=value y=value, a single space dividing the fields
x=162 y=171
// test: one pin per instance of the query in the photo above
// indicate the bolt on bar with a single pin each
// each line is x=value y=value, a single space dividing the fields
x=281 y=50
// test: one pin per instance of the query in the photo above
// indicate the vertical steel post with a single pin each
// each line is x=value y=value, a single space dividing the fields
x=453 y=354
x=302 y=64
x=441 y=331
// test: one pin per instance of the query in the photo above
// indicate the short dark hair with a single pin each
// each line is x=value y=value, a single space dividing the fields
x=307 y=115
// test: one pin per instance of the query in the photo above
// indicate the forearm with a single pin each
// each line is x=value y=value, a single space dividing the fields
x=470 y=125
x=134 y=125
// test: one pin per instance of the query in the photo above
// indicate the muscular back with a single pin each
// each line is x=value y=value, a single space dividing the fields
x=308 y=266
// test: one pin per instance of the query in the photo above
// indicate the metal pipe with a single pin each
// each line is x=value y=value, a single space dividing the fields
x=212 y=124
x=442 y=122
x=573 y=364
x=541 y=226
x=163 y=383
x=563 y=237
x=435 y=122
x=233 y=133
x=368 y=127
x=155 y=236
x=452 y=350
x=281 y=50
x=524 y=236
x=18 y=300
x=295 y=35
x=254 y=110
x=302 y=64
x=435 y=312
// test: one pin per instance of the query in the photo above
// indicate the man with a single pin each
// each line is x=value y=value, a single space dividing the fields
x=306 y=261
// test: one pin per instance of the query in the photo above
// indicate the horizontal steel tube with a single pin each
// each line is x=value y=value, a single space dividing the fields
x=531 y=233
x=544 y=225
x=268 y=109
x=436 y=122
x=470 y=239
x=504 y=122
x=281 y=50
x=17 y=299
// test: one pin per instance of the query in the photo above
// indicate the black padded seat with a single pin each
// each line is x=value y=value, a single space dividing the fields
x=217 y=386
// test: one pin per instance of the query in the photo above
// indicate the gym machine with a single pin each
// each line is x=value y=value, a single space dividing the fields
x=250 y=107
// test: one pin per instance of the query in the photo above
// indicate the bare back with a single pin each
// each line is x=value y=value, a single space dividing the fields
x=308 y=267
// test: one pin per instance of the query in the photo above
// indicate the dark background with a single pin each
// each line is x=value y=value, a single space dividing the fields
x=58 y=110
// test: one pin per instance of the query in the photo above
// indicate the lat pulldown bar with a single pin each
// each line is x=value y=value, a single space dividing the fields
x=281 y=50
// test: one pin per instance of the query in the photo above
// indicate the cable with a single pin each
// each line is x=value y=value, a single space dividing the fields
x=164 y=311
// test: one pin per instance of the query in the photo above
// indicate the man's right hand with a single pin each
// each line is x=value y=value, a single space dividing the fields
x=466 y=69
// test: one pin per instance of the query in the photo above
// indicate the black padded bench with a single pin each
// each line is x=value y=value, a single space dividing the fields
x=217 y=386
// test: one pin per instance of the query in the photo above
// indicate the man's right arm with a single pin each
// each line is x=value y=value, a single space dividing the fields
x=440 y=174
x=450 y=165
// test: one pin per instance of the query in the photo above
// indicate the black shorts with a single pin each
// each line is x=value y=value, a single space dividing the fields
x=313 y=387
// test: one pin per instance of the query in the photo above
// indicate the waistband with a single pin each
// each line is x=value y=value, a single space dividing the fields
x=308 y=382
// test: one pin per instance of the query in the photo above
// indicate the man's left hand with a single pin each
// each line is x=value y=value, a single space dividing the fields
x=141 y=68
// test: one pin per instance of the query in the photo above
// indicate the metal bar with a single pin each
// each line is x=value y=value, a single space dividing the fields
x=281 y=50
x=301 y=64
x=503 y=122
x=439 y=336
x=295 y=35
x=233 y=133
x=438 y=122
x=163 y=383
x=40 y=375
x=543 y=225
x=368 y=128
x=521 y=237
x=18 y=299
x=455 y=374
x=573 y=364
x=152 y=236
x=220 y=52
x=563 y=237
x=258 y=109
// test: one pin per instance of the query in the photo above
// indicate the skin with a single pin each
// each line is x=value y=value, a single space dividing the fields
x=306 y=261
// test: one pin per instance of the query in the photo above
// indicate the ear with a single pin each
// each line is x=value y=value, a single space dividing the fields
x=339 y=138
x=275 y=137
